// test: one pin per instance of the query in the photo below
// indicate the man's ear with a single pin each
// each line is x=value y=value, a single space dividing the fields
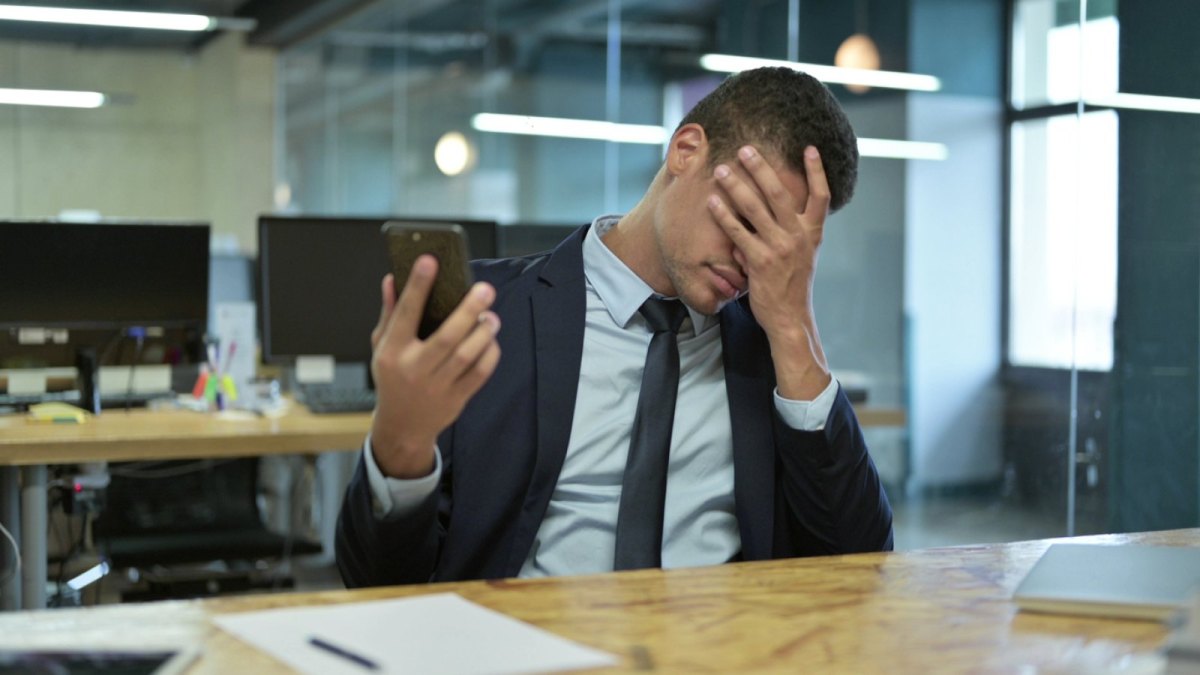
x=687 y=150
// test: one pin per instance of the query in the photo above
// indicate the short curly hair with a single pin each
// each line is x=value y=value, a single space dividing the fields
x=782 y=111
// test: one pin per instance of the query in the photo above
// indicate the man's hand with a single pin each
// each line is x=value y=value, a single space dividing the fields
x=777 y=230
x=423 y=385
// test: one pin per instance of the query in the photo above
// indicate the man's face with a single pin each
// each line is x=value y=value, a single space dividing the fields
x=698 y=258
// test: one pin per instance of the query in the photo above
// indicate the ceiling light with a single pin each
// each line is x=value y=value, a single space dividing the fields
x=859 y=52
x=560 y=127
x=453 y=153
x=1146 y=102
x=52 y=98
x=879 y=147
x=121 y=19
x=655 y=135
x=884 y=79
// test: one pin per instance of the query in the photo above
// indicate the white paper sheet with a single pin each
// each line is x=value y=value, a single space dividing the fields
x=314 y=369
x=434 y=634
x=235 y=326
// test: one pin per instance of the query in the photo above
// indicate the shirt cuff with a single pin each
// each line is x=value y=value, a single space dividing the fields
x=807 y=415
x=396 y=497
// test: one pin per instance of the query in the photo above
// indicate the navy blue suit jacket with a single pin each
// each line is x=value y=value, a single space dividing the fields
x=797 y=493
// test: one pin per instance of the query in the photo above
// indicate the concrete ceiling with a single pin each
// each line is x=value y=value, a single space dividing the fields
x=684 y=24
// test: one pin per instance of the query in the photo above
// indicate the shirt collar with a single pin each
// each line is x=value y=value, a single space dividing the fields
x=620 y=289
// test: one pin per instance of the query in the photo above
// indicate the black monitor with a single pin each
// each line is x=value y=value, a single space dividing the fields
x=69 y=288
x=318 y=282
x=103 y=275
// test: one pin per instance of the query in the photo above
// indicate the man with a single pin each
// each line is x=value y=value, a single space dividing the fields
x=536 y=462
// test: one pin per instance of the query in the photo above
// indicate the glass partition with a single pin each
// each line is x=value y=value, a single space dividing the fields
x=1012 y=296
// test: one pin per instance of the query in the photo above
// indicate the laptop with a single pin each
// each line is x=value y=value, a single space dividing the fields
x=1125 y=581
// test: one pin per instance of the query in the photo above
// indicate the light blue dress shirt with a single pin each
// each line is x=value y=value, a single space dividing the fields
x=577 y=535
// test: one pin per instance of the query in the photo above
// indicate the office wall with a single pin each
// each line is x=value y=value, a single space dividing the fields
x=953 y=248
x=1156 y=374
x=188 y=136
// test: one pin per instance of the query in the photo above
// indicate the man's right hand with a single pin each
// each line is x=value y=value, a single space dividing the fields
x=422 y=386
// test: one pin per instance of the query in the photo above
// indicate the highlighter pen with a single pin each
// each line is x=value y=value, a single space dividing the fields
x=344 y=653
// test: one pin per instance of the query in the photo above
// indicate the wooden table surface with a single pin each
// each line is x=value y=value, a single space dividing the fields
x=118 y=435
x=930 y=611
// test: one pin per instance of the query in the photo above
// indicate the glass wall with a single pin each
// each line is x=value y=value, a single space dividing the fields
x=1016 y=299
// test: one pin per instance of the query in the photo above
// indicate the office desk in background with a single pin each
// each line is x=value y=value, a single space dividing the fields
x=27 y=448
x=930 y=611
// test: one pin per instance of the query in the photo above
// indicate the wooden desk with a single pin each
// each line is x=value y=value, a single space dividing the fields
x=117 y=435
x=932 y=611
x=869 y=416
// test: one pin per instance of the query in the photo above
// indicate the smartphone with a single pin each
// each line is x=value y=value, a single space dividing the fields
x=407 y=241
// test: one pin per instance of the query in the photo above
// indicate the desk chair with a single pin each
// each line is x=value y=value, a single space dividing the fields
x=162 y=514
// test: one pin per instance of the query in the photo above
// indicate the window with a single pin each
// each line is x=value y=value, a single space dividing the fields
x=1063 y=200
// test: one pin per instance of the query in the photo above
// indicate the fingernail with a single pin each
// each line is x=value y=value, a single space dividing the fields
x=713 y=201
x=811 y=152
x=721 y=171
x=493 y=322
x=424 y=266
x=746 y=152
x=482 y=291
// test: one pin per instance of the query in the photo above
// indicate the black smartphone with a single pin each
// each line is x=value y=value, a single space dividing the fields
x=448 y=243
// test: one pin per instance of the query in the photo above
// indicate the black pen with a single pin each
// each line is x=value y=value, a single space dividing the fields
x=344 y=653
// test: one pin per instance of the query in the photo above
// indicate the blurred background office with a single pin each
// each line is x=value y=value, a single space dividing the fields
x=1013 y=296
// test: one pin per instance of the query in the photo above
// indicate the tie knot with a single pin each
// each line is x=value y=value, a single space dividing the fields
x=663 y=315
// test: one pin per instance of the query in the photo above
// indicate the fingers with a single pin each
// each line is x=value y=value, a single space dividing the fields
x=779 y=200
x=463 y=361
x=406 y=316
x=746 y=241
x=387 y=293
x=464 y=319
x=473 y=379
x=745 y=201
x=818 y=185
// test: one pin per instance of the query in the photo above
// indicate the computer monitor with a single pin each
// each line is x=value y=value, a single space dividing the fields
x=103 y=275
x=318 y=282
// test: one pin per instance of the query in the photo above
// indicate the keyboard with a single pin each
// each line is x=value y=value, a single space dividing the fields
x=323 y=400
x=107 y=401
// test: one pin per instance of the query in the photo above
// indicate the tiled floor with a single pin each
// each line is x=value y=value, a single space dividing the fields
x=953 y=521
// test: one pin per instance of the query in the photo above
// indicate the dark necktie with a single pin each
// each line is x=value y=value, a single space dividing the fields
x=644 y=487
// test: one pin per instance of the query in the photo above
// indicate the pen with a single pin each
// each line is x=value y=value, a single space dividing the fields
x=229 y=354
x=344 y=653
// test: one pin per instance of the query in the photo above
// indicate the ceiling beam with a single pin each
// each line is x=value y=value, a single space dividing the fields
x=282 y=23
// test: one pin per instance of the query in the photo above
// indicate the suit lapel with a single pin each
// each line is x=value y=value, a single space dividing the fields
x=558 y=307
x=749 y=379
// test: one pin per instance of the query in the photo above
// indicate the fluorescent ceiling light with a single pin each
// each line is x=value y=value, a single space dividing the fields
x=1146 y=102
x=52 y=98
x=108 y=17
x=884 y=79
x=560 y=127
x=649 y=134
x=879 y=147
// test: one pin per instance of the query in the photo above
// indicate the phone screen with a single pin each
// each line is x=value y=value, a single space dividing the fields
x=448 y=243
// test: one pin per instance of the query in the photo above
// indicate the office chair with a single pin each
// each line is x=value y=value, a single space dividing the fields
x=162 y=514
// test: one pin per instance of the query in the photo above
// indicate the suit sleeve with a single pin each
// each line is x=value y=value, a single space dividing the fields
x=404 y=549
x=830 y=495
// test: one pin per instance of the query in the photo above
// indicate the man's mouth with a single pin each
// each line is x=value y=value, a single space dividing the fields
x=729 y=281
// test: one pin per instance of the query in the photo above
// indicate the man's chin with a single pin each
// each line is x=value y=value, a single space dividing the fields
x=711 y=304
